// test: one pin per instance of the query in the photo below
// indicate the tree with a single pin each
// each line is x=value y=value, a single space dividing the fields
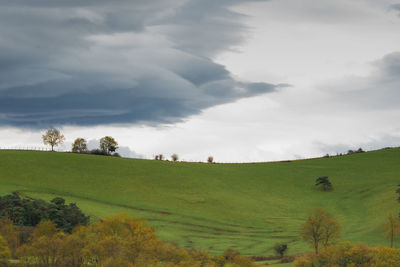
x=324 y=183
x=321 y=228
x=174 y=157
x=53 y=137
x=108 y=144
x=159 y=157
x=398 y=192
x=392 y=228
x=79 y=145
x=210 y=159
x=5 y=253
x=9 y=233
x=280 y=249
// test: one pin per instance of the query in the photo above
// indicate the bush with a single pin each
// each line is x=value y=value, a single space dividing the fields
x=98 y=152
x=287 y=259
x=210 y=159
x=360 y=150
x=347 y=254
x=280 y=249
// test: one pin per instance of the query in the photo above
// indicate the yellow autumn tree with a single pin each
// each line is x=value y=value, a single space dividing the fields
x=5 y=253
x=320 y=229
x=9 y=233
x=392 y=228
x=115 y=241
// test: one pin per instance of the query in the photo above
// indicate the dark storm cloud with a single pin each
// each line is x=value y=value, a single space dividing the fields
x=100 y=62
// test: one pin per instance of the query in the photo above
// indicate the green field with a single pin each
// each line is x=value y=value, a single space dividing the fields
x=247 y=207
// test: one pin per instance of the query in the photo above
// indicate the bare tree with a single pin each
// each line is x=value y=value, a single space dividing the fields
x=53 y=137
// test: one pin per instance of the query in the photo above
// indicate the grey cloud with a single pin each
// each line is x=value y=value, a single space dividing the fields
x=97 y=62
x=384 y=141
x=395 y=7
x=126 y=152
x=380 y=90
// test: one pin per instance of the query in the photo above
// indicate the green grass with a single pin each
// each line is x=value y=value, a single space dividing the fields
x=248 y=207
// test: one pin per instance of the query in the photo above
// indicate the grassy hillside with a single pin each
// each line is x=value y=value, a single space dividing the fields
x=248 y=207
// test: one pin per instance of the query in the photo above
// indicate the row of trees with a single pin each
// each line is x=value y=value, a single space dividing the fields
x=115 y=241
x=175 y=157
x=53 y=137
x=108 y=145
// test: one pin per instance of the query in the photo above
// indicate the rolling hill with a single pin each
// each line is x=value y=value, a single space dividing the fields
x=248 y=207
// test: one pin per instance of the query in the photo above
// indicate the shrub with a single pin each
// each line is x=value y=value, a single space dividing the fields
x=98 y=152
x=280 y=249
x=210 y=159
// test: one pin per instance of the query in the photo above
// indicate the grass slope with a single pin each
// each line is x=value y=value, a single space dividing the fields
x=248 y=207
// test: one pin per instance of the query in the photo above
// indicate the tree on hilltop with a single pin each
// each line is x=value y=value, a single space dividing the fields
x=108 y=145
x=79 y=145
x=53 y=137
x=175 y=157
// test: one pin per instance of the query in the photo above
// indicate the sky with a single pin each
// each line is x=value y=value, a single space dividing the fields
x=239 y=80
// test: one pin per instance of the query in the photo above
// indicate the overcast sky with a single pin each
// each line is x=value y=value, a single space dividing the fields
x=239 y=80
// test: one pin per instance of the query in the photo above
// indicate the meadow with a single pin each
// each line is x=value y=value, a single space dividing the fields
x=246 y=207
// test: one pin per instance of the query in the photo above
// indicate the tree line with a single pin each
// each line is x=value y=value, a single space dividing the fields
x=107 y=147
x=30 y=212
x=120 y=241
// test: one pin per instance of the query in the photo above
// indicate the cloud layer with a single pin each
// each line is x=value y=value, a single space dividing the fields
x=96 y=62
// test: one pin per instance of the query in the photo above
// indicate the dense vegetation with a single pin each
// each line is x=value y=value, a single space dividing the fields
x=249 y=207
x=30 y=212
x=115 y=241
x=346 y=254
